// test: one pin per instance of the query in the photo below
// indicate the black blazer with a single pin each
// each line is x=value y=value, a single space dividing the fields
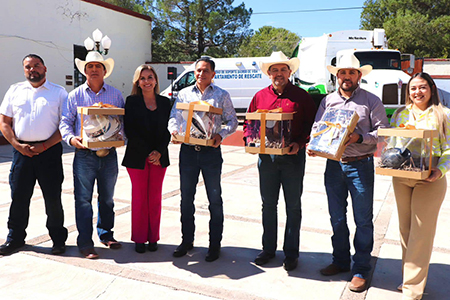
x=141 y=138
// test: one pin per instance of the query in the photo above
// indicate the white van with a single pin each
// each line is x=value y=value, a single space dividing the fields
x=241 y=77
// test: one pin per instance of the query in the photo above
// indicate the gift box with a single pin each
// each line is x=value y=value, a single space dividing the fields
x=332 y=131
x=274 y=127
x=200 y=125
x=405 y=153
x=101 y=126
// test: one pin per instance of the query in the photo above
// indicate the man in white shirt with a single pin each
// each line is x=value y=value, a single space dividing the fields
x=29 y=120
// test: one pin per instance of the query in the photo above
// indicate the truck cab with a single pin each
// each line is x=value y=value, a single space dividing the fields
x=387 y=80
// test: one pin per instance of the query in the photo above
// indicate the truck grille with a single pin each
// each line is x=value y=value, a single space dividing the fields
x=390 y=94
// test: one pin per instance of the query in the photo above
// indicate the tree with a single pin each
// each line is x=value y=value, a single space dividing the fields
x=193 y=28
x=188 y=29
x=268 y=39
x=420 y=27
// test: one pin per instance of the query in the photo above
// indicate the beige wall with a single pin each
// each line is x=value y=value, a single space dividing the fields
x=50 y=28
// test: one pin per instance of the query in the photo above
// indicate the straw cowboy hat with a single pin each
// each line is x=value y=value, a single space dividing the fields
x=279 y=58
x=94 y=56
x=349 y=61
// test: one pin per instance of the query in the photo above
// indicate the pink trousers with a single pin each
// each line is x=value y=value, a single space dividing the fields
x=146 y=197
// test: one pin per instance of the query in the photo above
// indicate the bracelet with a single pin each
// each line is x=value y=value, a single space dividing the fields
x=43 y=145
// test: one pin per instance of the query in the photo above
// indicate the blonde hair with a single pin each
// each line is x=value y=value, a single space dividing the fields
x=438 y=108
x=136 y=90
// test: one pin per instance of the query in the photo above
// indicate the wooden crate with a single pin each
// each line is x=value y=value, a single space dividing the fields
x=408 y=133
x=192 y=107
x=89 y=110
x=263 y=117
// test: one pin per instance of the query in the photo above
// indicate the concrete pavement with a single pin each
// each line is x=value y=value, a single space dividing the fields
x=33 y=273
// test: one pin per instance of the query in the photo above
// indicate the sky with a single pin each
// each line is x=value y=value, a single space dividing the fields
x=304 y=24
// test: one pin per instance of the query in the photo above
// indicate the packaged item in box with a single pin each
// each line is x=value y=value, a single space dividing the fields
x=329 y=137
x=405 y=152
x=274 y=127
x=101 y=126
x=200 y=123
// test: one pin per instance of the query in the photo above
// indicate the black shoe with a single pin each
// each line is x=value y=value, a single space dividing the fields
x=152 y=247
x=58 y=249
x=213 y=254
x=183 y=249
x=9 y=247
x=139 y=247
x=290 y=263
x=263 y=258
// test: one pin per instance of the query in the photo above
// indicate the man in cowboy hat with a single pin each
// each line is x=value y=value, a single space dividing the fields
x=204 y=159
x=354 y=173
x=30 y=114
x=283 y=170
x=90 y=165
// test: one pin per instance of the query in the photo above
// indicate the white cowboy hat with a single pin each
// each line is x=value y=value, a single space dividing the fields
x=349 y=61
x=279 y=58
x=94 y=56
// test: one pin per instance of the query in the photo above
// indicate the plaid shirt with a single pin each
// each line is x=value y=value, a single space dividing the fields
x=215 y=96
x=70 y=125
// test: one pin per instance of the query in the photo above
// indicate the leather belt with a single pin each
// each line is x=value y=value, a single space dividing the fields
x=197 y=148
x=355 y=158
x=31 y=143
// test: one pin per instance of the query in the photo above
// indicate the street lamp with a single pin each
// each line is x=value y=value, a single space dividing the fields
x=105 y=42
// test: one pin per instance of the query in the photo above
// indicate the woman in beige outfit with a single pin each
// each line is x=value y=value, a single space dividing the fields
x=419 y=201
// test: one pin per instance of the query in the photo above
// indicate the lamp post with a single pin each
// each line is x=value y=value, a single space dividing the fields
x=105 y=42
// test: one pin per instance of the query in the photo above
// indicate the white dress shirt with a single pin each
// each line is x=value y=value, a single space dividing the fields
x=36 y=112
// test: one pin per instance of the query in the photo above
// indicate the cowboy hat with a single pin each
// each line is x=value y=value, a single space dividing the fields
x=349 y=61
x=279 y=58
x=94 y=56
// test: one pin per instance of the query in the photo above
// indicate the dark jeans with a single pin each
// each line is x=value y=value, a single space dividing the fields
x=47 y=169
x=358 y=179
x=209 y=161
x=286 y=171
x=87 y=168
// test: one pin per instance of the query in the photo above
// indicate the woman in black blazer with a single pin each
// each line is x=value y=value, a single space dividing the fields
x=146 y=156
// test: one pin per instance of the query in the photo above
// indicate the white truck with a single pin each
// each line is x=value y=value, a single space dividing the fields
x=387 y=80
x=241 y=77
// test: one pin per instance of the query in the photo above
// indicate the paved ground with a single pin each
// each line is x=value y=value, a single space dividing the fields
x=33 y=273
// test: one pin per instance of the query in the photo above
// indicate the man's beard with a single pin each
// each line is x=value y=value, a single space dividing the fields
x=351 y=88
x=36 y=77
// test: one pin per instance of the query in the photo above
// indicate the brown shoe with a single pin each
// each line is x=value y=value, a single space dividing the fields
x=112 y=244
x=357 y=284
x=333 y=269
x=89 y=253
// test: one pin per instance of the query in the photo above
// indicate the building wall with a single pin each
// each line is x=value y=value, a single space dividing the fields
x=50 y=28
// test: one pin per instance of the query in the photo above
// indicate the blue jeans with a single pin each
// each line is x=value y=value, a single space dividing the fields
x=358 y=179
x=88 y=167
x=209 y=161
x=47 y=169
x=286 y=171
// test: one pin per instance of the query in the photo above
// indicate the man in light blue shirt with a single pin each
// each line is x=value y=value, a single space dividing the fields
x=90 y=165
x=208 y=160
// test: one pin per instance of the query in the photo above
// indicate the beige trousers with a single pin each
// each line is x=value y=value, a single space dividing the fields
x=418 y=204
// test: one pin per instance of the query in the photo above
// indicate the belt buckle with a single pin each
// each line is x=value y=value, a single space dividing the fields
x=102 y=152
x=197 y=148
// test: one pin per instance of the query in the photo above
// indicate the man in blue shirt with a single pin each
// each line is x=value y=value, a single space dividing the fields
x=208 y=160
x=90 y=165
